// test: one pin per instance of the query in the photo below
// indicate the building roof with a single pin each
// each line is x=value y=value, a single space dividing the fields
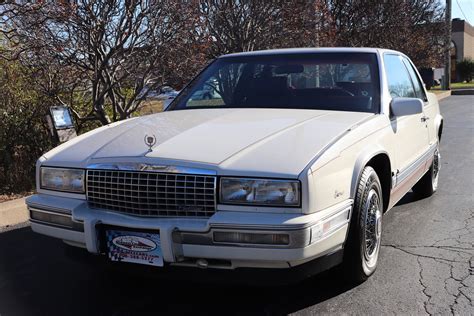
x=458 y=25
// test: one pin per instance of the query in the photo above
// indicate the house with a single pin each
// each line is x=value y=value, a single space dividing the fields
x=462 y=43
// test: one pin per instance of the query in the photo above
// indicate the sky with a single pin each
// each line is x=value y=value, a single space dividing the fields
x=467 y=6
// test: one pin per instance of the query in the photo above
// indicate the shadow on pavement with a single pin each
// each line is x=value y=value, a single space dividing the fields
x=37 y=277
x=410 y=197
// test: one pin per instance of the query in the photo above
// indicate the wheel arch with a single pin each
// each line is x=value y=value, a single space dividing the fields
x=379 y=160
x=439 y=126
x=440 y=130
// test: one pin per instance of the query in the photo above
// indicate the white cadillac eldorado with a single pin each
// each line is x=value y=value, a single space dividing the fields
x=288 y=164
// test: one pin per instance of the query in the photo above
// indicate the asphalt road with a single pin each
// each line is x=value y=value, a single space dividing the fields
x=426 y=263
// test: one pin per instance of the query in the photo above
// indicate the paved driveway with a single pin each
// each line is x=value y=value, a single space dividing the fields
x=426 y=263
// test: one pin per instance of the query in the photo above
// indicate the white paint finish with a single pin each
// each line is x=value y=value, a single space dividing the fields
x=298 y=255
x=339 y=167
x=411 y=138
x=64 y=234
x=81 y=212
x=82 y=147
x=289 y=152
x=166 y=226
x=406 y=106
x=325 y=150
x=232 y=131
x=232 y=141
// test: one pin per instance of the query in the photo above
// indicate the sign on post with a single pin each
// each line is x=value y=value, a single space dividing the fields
x=61 y=124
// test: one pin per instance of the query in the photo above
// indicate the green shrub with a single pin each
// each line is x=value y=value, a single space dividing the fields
x=465 y=69
x=23 y=132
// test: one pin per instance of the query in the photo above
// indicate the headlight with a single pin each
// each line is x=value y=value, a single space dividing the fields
x=61 y=179
x=260 y=192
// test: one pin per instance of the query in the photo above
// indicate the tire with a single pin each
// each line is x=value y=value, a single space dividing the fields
x=365 y=231
x=428 y=184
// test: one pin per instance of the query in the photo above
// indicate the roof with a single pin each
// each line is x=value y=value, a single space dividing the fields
x=288 y=51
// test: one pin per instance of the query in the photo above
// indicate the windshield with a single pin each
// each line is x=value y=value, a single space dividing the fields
x=323 y=81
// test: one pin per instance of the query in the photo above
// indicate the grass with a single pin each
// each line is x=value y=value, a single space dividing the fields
x=150 y=107
x=457 y=85
x=156 y=106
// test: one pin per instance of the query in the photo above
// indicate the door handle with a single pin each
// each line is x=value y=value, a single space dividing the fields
x=424 y=118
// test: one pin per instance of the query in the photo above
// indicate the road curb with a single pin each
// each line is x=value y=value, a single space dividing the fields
x=443 y=95
x=463 y=92
x=13 y=212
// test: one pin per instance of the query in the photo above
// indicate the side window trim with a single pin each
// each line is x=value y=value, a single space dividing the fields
x=408 y=64
x=400 y=57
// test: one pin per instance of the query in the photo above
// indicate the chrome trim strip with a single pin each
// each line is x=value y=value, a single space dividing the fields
x=44 y=208
x=408 y=171
x=343 y=208
x=148 y=167
x=262 y=227
x=77 y=226
x=47 y=212
x=297 y=238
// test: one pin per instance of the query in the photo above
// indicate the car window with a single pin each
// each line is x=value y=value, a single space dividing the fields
x=327 y=81
x=399 y=82
x=208 y=94
x=420 y=93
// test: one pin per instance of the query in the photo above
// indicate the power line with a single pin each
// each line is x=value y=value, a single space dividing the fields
x=459 y=6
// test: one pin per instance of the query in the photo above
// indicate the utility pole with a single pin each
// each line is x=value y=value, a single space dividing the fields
x=447 y=48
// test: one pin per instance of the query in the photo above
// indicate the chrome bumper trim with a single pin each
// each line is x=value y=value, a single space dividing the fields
x=298 y=238
x=299 y=235
x=63 y=220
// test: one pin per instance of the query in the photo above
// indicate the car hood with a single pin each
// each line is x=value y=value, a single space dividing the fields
x=277 y=142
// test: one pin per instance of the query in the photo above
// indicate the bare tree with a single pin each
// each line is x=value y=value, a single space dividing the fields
x=236 y=26
x=103 y=57
x=414 y=27
x=112 y=52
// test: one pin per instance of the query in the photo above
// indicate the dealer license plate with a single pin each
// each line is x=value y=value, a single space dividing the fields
x=134 y=247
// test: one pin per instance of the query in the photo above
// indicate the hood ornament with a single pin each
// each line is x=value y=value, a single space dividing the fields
x=150 y=141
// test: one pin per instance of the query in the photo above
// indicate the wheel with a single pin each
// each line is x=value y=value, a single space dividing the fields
x=428 y=184
x=365 y=231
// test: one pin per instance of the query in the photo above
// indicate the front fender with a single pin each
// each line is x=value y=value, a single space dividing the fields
x=364 y=157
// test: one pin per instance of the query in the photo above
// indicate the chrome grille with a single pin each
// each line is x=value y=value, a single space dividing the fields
x=152 y=194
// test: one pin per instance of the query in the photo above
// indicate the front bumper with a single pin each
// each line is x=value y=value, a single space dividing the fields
x=188 y=241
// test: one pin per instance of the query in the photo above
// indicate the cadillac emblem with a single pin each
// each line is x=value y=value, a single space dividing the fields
x=150 y=141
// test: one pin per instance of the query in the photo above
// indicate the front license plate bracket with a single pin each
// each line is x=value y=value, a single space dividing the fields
x=133 y=246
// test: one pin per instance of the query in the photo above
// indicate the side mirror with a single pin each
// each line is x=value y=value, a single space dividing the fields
x=406 y=106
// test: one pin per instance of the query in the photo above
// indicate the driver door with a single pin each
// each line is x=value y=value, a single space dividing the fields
x=411 y=131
